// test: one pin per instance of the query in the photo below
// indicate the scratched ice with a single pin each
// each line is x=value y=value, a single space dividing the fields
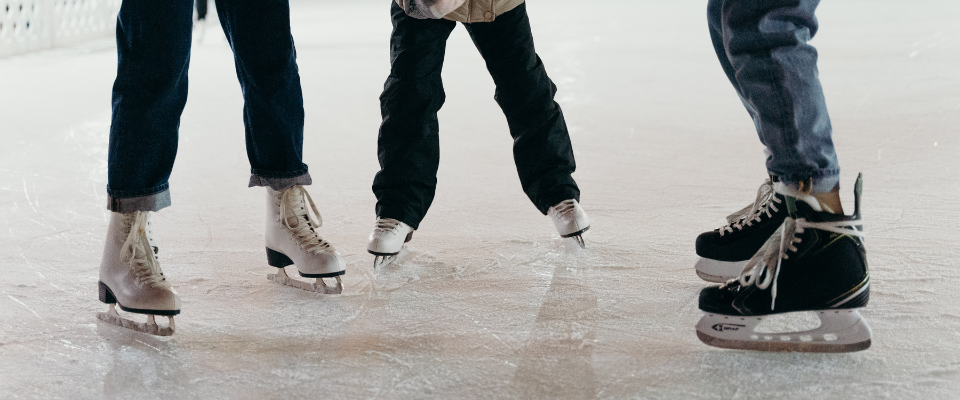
x=487 y=303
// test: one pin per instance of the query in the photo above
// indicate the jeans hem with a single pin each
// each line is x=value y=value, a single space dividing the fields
x=280 y=183
x=824 y=180
x=152 y=202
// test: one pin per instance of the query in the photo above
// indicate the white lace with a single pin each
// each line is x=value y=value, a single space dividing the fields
x=763 y=271
x=306 y=235
x=138 y=251
x=766 y=203
x=387 y=224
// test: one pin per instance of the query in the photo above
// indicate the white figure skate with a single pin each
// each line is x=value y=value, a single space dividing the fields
x=292 y=239
x=130 y=276
x=386 y=241
x=570 y=219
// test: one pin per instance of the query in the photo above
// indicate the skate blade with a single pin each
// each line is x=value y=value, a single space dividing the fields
x=319 y=286
x=718 y=271
x=379 y=262
x=577 y=237
x=580 y=242
x=840 y=331
x=150 y=327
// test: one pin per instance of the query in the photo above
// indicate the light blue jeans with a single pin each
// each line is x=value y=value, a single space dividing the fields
x=762 y=46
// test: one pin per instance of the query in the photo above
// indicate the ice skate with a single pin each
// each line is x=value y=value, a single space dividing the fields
x=723 y=252
x=815 y=262
x=387 y=239
x=570 y=219
x=292 y=239
x=130 y=276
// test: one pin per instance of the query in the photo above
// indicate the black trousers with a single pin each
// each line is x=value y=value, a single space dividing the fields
x=409 y=147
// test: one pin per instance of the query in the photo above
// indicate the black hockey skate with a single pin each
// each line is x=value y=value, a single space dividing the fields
x=815 y=262
x=724 y=251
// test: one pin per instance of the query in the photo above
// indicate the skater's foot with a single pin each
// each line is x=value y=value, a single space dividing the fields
x=570 y=220
x=816 y=262
x=387 y=239
x=130 y=276
x=724 y=251
x=292 y=239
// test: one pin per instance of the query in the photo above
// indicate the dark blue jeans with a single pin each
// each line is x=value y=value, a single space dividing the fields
x=762 y=46
x=409 y=146
x=153 y=46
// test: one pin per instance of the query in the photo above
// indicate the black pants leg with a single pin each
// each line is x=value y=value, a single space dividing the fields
x=541 y=143
x=408 y=146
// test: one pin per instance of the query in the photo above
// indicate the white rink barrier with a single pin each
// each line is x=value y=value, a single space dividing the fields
x=31 y=25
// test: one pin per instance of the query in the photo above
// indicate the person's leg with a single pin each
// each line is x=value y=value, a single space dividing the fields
x=153 y=52
x=202 y=9
x=766 y=55
x=806 y=255
x=408 y=146
x=762 y=49
x=542 y=149
x=273 y=115
x=266 y=64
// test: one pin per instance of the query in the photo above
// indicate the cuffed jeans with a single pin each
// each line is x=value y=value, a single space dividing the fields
x=409 y=146
x=762 y=46
x=149 y=94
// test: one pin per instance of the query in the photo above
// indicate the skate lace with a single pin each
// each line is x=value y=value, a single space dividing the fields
x=387 y=224
x=766 y=203
x=306 y=234
x=138 y=251
x=763 y=269
x=565 y=207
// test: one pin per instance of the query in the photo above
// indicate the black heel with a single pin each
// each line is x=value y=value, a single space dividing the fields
x=278 y=259
x=105 y=295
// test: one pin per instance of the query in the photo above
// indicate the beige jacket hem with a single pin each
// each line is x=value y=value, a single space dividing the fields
x=480 y=10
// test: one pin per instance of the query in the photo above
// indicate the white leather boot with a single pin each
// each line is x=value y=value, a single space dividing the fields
x=130 y=276
x=570 y=220
x=292 y=239
x=387 y=239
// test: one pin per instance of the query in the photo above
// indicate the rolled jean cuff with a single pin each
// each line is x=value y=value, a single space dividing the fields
x=150 y=202
x=280 y=181
x=824 y=181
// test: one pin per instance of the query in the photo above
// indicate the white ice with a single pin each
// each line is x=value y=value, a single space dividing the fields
x=488 y=303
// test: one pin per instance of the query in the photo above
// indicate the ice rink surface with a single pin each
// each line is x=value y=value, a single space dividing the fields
x=487 y=303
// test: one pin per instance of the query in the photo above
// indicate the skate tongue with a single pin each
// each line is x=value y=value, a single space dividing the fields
x=294 y=200
x=293 y=221
x=138 y=253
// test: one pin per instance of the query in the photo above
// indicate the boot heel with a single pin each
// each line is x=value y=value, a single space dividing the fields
x=277 y=259
x=105 y=295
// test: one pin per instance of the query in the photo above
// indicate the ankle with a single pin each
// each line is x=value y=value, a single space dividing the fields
x=821 y=202
x=830 y=201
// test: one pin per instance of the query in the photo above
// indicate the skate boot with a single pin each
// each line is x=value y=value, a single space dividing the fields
x=815 y=262
x=130 y=276
x=292 y=238
x=570 y=219
x=386 y=241
x=723 y=252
